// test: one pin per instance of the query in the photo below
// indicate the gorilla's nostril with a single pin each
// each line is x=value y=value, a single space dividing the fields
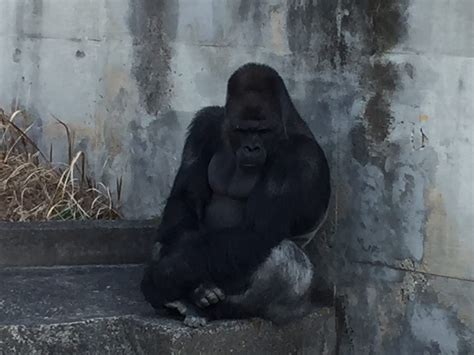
x=252 y=149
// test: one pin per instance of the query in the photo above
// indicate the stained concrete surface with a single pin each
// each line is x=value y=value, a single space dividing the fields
x=99 y=309
x=386 y=87
x=76 y=242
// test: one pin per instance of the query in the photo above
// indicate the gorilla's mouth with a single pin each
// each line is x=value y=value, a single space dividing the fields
x=247 y=161
x=250 y=166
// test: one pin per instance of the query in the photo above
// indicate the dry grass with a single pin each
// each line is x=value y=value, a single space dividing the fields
x=33 y=189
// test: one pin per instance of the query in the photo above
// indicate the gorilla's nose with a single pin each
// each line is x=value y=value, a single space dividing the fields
x=252 y=149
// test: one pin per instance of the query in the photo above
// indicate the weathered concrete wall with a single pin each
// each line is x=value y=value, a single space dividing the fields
x=386 y=86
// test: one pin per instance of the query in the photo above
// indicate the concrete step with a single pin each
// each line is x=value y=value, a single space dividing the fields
x=99 y=310
x=75 y=242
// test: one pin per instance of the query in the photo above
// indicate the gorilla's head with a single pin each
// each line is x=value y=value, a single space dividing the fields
x=255 y=114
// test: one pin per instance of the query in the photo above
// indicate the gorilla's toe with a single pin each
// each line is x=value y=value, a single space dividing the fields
x=178 y=306
x=195 y=321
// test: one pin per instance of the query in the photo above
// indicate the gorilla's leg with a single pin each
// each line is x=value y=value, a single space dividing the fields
x=170 y=276
x=164 y=285
x=280 y=289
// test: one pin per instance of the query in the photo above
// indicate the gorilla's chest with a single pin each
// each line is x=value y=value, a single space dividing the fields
x=231 y=187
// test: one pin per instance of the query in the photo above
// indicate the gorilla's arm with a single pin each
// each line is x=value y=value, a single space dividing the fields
x=190 y=189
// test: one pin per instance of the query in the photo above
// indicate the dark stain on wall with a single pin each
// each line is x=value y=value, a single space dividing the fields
x=28 y=25
x=383 y=77
x=250 y=10
x=80 y=54
x=359 y=143
x=386 y=21
x=335 y=48
x=378 y=116
x=303 y=24
x=380 y=25
x=16 y=56
x=313 y=27
x=319 y=26
x=410 y=70
x=383 y=80
x=153 y=25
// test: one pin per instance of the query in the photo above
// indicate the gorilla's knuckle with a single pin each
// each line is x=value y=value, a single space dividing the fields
x=204 y=302
x=220 y=294
x=212 y=298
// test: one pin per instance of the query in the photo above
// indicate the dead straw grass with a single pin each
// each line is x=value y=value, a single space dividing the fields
x=33 y=189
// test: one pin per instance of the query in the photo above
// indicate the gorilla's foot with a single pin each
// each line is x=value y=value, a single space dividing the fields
x=195 y=321
x=178 y=306
x=207 y=294
x=192 y=316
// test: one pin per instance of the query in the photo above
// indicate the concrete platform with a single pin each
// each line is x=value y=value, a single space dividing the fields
x=99 y=310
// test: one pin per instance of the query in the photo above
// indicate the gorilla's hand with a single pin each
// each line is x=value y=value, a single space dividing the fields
x=207 y=294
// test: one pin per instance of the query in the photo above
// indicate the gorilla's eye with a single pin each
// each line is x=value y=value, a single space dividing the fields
x=264 y=130
x=240 y=130
x=243 y=130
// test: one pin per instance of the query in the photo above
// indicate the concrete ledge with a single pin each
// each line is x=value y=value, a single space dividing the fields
x=75 y=242
x=145 y=335
x=75 y=310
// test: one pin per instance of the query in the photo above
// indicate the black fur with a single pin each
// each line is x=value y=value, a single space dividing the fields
x=288 y=198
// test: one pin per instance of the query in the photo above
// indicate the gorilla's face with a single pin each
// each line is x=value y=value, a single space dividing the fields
x=253 y=128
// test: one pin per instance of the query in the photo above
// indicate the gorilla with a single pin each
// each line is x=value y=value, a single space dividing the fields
x=252 y=179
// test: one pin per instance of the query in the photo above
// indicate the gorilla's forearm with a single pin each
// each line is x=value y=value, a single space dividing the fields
x=178 y=220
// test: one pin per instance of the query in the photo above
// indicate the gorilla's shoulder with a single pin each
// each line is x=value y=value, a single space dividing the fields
x=207 y=121
x=204 y=132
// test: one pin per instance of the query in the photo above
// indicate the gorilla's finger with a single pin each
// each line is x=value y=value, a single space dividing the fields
x=211 y=296
x=203 y=302
x=219 y=293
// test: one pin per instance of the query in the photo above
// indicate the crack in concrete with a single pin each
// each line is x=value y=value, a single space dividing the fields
x=382 y=264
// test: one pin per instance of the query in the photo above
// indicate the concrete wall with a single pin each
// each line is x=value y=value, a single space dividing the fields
x=386 y=86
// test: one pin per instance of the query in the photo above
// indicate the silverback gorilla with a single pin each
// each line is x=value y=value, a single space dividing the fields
x=252 y=178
